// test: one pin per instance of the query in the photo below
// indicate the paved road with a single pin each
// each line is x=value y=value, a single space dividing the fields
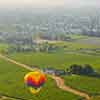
x=59 y=81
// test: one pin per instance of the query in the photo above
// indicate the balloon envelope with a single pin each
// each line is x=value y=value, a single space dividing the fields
x=34 y=80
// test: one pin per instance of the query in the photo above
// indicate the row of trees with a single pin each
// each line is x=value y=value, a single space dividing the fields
x=44 y=47
x=81 y=70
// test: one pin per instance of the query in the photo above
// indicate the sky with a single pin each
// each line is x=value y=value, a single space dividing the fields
x=48 y=3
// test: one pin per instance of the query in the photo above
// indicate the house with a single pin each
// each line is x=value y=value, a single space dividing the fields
x=60 y=72
x=54 y=71
x=48 y=71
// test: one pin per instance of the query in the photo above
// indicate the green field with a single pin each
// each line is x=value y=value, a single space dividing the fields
x=56 y=60
x=87 y=84
x=11 y=76
x=12 y=84
x=3 y=47
x=62 y=61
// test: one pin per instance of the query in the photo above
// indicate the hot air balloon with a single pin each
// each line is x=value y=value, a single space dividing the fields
x=34 y=81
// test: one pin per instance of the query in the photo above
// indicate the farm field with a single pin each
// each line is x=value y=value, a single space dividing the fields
x=11 y=76
x=12 y=84
x=83 y=83
x=57 y=60
x=78 y=82
x=3 y=47
x=89 y=41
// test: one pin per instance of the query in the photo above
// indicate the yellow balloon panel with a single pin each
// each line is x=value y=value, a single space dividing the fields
x=33 y=90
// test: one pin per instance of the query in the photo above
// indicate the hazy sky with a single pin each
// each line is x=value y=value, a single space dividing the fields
x=48 y=3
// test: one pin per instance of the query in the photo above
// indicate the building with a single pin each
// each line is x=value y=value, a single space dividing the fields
x=54 y=71
x=60 y=72
x=49 y=71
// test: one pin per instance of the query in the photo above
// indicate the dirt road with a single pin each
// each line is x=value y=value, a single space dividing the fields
x=17 y=63
x=60 y=84
x=59 y=81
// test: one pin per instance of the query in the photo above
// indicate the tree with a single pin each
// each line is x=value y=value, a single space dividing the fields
x=81 y=70
x=87 y=69
x=75 y=69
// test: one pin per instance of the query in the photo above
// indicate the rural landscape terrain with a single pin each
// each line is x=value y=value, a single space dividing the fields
x=63 y=44
x=67 y=54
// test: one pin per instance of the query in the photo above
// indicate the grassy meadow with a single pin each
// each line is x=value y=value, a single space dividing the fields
x=12 y=84
x=11 y=76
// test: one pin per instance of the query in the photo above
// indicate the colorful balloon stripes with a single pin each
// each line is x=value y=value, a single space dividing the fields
x=35 y=81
